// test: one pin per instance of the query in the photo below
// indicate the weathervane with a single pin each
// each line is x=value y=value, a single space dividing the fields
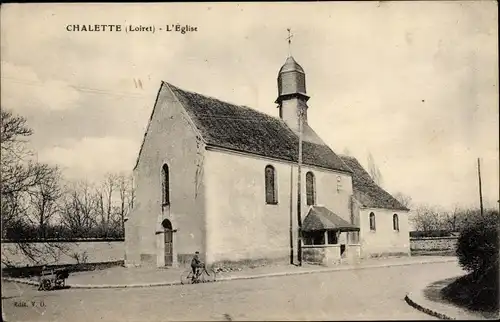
x=289 y=38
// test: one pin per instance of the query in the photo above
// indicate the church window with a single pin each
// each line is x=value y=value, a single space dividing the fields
x=395 y=222
x=372 y=221
x=165 y=185
x=270 y=177
x=310 y=189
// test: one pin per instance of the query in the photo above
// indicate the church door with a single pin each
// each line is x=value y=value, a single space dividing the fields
x=168 y=242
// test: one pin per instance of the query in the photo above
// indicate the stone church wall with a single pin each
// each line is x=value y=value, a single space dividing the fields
x=240 y=225
x=384 y=240
x=171 y=139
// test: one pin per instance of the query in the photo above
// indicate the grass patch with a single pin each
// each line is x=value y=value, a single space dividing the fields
x=475 y=294
x=433 y=291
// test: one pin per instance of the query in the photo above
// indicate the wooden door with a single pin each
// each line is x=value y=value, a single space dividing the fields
x=168 y=247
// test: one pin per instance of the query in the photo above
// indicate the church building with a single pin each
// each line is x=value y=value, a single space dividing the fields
x=222 y=179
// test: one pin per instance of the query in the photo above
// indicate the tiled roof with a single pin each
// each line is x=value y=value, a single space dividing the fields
x=321 y=218
x=291 y=66
x=244 y=129
x=366 y=191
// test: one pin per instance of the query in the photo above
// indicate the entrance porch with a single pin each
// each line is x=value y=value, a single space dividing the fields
x=328 y=239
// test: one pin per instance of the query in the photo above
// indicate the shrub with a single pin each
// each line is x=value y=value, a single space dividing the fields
x=477 y=246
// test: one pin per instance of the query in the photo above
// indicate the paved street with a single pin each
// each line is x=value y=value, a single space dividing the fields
x=376 y=293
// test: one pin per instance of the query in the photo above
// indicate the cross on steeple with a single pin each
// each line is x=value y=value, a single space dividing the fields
x=289 y=38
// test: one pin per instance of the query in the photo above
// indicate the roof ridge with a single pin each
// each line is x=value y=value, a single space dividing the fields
x=243 y=128
x=224 y=101
x=343 y=158
x=360 y=173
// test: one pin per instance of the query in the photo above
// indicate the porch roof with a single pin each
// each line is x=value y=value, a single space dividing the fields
x=321 y=218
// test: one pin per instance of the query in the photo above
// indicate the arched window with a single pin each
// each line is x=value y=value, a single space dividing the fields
x=270 y=177
x=167 y=224
x=395 y=222
x=165 y=185
x=310 y=189
x=372 y=221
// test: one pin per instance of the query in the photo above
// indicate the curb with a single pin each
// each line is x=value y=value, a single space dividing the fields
x=97 y=286
x=417 y=300
x=20 y=281
x=333 y=269
x=412 y=303
x=232 y=278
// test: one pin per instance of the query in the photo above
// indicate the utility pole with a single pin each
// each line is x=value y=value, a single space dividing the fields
x=291 y=215
x=299 y=190
x=480 y=188
x=289 y=39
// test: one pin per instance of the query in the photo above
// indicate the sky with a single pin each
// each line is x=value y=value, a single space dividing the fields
x=413 y=83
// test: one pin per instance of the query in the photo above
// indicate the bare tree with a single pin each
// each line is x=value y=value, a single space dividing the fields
x=426 y=218
x=131 y=200
x=106 y=198
x=13 y=209
x=460 y=217
x=18 y=172
x=430 y=218
x=127 y=195
x=90 y=211
x=79 y=209
x=374 y=170
x=13 y=136
x=44 y=200
x=20 y=176
x=15 y=176
x=403 y=199
x=20 y=180
x=450 y=219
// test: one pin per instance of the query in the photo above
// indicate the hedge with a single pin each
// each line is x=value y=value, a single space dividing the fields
x=477 y=245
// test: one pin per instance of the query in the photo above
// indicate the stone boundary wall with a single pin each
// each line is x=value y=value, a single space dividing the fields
x=63 y=253
x=433 y=243
x=61 y=240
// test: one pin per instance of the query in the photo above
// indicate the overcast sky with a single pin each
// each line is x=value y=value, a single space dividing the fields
x=414 y=83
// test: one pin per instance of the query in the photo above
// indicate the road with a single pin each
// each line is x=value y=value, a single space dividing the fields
x=376 y=293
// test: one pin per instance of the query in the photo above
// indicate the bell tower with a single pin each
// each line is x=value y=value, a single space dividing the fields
x=292 y=98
